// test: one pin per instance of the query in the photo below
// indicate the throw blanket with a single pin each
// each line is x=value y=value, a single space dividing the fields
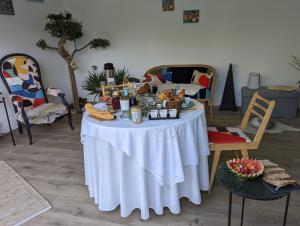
x=45 y=113
x=190 y=89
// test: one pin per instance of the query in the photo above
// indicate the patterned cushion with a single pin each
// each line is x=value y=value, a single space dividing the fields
x=154 y=80
x=22 y=75
x=201 y=78
x=235 y=131
x=44 y=113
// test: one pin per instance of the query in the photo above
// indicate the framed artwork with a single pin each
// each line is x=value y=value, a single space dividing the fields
x=168 y=5
x=191 y=16
x=6 y=7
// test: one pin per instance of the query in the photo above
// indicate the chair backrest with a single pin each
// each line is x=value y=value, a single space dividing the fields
x=21 y=76
x=261 y=108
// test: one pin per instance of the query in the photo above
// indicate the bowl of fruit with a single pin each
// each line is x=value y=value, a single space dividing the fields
x=246 y=168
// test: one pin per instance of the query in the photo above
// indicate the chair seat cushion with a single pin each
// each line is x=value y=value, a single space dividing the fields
x=222 y=135
x=224 y=138
x=43 y=114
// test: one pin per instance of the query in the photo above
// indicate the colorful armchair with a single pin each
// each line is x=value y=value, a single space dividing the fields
x=22 y=78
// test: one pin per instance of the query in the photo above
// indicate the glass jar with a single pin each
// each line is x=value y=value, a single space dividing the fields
x=136 y=115
x=109 y=73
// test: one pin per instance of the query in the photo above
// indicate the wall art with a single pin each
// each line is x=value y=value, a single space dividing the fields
x=6 y=7
x=168 y=5
x=191 y=16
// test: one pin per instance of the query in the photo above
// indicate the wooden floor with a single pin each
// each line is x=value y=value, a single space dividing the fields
x=54 y=166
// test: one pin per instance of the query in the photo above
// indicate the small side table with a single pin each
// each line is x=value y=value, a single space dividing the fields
x=250 y=189
x=2 y=101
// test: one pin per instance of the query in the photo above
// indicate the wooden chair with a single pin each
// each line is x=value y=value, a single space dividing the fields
x=259 y=107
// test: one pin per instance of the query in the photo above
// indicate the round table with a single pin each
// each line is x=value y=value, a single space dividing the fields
x=148 y=165
x=250 y=189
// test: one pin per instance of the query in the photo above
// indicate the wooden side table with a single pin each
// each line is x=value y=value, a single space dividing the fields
x=250 y=189
x=2 y=101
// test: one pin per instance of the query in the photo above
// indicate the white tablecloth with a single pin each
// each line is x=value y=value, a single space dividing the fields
x=149 y=165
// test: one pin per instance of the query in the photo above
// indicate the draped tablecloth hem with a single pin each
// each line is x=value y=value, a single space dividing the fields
x=175 y=180
x=114 y=179
x=145 y=212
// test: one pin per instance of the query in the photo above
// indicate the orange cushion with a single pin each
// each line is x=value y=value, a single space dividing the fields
x=224 y=138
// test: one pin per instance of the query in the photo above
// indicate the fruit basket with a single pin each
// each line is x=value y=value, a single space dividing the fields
x=246 y=168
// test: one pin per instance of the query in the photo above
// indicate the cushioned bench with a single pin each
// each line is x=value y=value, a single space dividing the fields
x=183 y=74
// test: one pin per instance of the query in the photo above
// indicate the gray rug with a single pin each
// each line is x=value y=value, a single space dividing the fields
x=278 y=128
x=19 y=202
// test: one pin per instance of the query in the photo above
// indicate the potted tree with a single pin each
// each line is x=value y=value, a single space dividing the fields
x=64 y=27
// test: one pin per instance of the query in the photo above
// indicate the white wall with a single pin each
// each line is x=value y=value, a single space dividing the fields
x=19 y=33
x=254 y=35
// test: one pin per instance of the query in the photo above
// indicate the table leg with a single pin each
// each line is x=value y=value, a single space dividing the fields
x=10 y=130
x=229 y=208
x=243 y=207
x=286 y=209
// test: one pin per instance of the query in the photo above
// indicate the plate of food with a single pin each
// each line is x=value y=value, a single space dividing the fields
x=246 y=168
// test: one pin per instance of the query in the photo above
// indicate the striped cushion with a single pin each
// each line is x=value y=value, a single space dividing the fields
x=235 y=131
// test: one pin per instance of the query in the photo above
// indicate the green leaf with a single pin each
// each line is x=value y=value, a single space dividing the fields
x=98 y=42
x=120 y=75
x=63 y=25
x=92 y=82
x=42 y=44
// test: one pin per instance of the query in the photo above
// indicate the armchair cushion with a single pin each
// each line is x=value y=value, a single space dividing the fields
x=53 y=91
x=45 y=113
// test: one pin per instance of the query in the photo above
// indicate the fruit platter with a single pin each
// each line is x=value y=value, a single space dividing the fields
x=246 y=168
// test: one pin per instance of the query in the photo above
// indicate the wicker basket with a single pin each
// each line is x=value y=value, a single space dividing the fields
x=174 y=105
x=144 y=89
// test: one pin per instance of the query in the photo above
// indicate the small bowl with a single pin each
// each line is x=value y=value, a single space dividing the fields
x=246 y=168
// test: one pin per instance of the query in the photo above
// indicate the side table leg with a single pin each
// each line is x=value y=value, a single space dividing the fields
x=229 y=208
x=286 y=209
x=243 y=207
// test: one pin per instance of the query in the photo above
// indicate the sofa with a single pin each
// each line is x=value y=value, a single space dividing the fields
x=183 y=76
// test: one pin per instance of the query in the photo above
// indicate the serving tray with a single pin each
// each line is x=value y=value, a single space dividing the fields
x=160 y=118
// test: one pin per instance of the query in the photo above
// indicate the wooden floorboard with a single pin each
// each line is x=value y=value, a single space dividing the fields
x=53 y=165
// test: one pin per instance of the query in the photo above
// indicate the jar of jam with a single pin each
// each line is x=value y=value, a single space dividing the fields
x=116 y=100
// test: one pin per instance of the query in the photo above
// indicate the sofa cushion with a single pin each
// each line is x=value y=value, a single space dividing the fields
x=184 y=74
x=181 y=75
x=167 y=76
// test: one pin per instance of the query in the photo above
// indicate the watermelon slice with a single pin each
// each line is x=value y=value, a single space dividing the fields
x=246 y=168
